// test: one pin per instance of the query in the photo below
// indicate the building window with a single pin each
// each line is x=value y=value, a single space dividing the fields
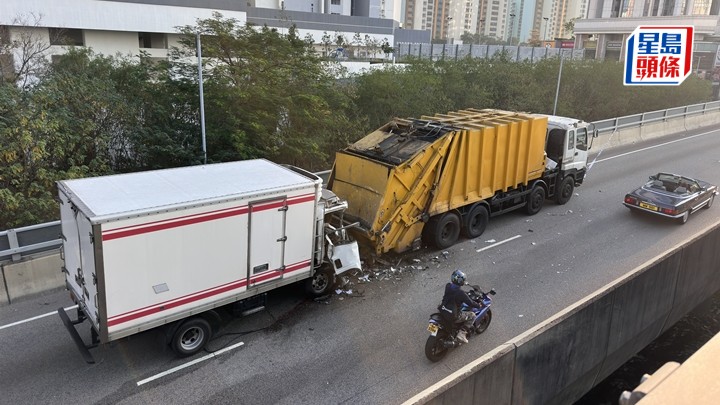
x=66 y=36
x=335 y=2
x=152 y=40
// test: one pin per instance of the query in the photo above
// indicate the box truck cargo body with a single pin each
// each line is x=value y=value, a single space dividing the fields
x=147 y=249
x=433 y=177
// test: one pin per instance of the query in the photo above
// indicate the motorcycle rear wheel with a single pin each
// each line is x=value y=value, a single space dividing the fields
x=434 y=348
x=482 y=324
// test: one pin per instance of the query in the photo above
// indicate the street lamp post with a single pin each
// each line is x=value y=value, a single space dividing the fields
x=557 y=89
x=202 y=102
x=697 y=70
x=546 y=25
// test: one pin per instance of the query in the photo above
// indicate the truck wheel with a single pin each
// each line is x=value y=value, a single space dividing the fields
x=321 y=282
x=191 y=337
x=444 y=230
x=535 y=200
x=565 y=191
x=475 y=221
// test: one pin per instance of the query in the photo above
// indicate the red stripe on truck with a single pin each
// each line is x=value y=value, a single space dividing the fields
x=200 y=295
x=195 y=219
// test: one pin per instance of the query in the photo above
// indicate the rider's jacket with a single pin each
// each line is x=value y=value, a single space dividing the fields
x=453 y=299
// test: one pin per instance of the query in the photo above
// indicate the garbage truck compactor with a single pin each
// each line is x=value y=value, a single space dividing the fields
x=436 y=177
x=169 y=247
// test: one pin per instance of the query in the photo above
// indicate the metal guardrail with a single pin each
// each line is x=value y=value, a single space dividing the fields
x=20 y=242
x=637 y=120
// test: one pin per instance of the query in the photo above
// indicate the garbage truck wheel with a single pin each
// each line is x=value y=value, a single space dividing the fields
x=443 y=230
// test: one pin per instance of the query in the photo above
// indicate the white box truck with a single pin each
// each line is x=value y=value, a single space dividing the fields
x=169 y=247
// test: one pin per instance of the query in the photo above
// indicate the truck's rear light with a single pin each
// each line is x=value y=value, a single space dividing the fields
x=630 y=200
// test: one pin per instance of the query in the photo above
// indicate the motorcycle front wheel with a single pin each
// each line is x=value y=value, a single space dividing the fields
x=483 y=322
x=434 y=348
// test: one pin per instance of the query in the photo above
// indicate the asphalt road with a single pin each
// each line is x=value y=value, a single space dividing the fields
x=367 y=348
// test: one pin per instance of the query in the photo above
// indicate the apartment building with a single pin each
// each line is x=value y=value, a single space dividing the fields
x=510 y=21
x=610 y=22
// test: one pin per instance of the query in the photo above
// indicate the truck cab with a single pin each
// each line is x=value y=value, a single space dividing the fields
x=568 y=143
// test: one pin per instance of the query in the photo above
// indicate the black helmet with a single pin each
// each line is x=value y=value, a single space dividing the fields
x=458 y=277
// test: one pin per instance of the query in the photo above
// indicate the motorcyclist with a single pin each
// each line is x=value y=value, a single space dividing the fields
x=452 y=301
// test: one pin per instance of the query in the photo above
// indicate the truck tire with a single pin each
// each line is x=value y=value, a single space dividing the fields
x=565 y=190
x=535 y=200
x=191 y=337
x=443 y=230
x=321 y=282
x=476 y=221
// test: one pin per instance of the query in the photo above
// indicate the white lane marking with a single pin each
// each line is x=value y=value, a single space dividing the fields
x=498 y=243
x=654 y=146
x=35 y=318
x=180 y=367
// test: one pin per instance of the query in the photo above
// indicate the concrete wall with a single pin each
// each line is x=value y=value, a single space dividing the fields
x=31 y=277
x=564 y=357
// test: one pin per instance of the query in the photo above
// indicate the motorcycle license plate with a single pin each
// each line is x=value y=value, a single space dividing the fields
x=433 y=329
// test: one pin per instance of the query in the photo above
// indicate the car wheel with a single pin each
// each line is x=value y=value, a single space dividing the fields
x=685 y=217
x=710 y=201
x=475 y=221
x=565 y=191
x=535 y=200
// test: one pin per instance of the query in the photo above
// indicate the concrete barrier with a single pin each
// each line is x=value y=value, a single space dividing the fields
x=564 y=357
x=33 y=276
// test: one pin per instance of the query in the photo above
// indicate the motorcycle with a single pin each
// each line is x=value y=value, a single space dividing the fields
x=443 y=329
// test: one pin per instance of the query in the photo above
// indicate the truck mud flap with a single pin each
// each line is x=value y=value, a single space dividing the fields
x=70 y=326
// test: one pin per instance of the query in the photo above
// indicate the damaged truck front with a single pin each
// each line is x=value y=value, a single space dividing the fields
x=167 y=248
x=432 y=178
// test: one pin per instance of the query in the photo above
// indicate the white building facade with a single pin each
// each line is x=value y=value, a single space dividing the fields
x=129 y=27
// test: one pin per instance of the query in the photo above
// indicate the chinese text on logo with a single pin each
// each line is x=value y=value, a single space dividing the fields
x=658 y=55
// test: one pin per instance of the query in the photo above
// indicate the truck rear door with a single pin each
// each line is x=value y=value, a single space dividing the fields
x=266 y=239
x=78 y=251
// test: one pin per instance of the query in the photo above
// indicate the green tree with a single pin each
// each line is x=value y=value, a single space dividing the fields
x=267 y=95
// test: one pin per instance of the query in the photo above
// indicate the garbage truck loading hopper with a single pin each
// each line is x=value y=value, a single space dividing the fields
x=409 y=170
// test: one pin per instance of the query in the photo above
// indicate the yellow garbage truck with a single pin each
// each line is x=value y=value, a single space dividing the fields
x=429 y=179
